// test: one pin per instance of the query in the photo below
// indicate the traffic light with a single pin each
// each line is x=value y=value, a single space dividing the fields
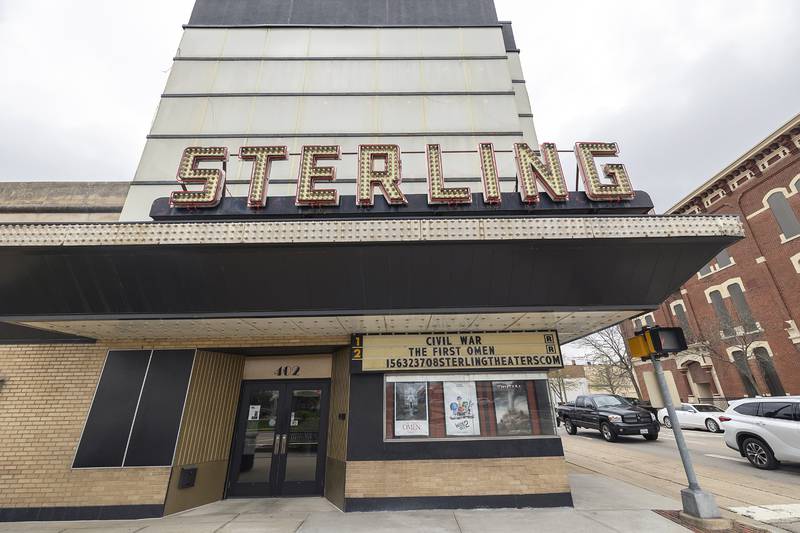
x=656 y=341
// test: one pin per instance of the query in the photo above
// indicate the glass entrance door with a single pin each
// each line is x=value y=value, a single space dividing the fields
x=279 y=445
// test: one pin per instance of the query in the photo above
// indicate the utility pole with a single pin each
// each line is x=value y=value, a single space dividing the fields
x=696 y=501
x=654 y=343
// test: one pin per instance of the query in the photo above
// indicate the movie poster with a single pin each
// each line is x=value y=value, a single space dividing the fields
x=461 y=409
x=411 y=409
x=511 y=408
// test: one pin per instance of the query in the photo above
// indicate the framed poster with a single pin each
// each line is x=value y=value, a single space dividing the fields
x=411 y=409
x=511 y=407
x=461 y=409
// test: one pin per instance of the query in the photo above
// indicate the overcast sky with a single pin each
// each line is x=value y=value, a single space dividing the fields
x=684 y=86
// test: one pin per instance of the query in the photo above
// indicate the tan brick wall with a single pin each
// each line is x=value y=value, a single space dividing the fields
x=456 y=477
x=43 y=406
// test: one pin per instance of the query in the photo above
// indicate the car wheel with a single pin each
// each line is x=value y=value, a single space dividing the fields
x=607 y=432
x=651 y=436
x=667 y=422
x=759 y=454
x=570 y=427
x=712 y=425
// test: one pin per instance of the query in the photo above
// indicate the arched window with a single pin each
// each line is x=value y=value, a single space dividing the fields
x=740 y=361
x=723 y=316
x=768 y=371
x=649 y=320
x=745 y=317
x=784 y=215
x=723 y=259
x=683 y=319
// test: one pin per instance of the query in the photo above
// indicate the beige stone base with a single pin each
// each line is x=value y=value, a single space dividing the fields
x=456 y=477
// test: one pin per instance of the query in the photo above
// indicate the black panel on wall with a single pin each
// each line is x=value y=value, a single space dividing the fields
x=155 y=430
x=109 y=422
x=365 y=434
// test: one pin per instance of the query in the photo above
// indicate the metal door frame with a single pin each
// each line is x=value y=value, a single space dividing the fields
x=276 y=486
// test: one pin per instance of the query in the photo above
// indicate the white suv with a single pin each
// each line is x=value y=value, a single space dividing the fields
x=765 y=430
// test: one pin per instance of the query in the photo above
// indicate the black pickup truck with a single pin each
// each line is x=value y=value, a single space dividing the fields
x=612 y=415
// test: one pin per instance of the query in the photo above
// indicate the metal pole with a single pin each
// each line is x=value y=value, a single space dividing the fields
x=676 y=427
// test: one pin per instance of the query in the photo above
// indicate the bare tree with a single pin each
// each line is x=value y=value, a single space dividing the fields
x=561 y=384
x=717 y=337
x=608 y=377
x=607 y=349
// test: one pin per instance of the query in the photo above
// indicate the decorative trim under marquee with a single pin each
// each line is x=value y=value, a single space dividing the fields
x=369 y=231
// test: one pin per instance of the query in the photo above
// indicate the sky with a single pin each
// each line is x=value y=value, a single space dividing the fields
x=684 y=86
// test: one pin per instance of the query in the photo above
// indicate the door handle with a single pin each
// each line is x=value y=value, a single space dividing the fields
x=283 y=444
x=276 y=445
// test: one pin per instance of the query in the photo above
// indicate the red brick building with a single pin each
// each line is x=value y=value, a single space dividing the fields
x=741 y=311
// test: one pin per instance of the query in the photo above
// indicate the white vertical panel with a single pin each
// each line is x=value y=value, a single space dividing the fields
x=343 y=42
x=202 y=43
x=521 y=97
x=287 y=42
x=282 y=76
x=191 y=77
x=245 y=42
x=237 y=76
x=494 y=113
x=274 y=115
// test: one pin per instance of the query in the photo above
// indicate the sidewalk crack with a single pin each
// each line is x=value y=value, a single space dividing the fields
x=228 y=522
x=303 y=521
x=458 y=524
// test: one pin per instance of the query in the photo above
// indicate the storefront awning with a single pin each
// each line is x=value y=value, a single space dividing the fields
x=503 y=274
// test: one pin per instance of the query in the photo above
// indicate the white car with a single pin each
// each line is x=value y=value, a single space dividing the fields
x=694 y=415
x=765 y=430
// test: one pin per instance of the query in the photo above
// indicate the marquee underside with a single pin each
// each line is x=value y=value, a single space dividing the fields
x=333 y=278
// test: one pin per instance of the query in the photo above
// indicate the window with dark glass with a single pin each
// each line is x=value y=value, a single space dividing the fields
x=749 y=409
x=683 y=319
x=768 y=370
x=724 y=259
x=742 y=308
x=136 y=411
x=467 y=406
x=723 y=316
x=784 y=215
x=637 y=323
x=706 y=270
x=780 y=410
x=743 y=367
x=649 y=320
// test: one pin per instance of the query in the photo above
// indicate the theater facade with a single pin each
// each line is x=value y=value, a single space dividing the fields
x=343 y=268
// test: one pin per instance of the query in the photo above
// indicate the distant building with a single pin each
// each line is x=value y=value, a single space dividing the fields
x=574 y=380
x=741 y=311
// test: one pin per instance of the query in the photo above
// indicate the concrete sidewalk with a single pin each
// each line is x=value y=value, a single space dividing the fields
x=601 y=504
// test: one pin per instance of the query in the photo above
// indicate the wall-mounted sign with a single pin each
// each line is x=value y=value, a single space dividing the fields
x=463 y=351
x=288 y=367
x=379 y=170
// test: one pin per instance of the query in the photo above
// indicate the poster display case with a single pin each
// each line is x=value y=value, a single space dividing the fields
x=467 y=406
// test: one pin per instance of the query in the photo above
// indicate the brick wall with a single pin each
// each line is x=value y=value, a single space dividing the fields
x=762 y=262
x=43 y=407
x=456 y=477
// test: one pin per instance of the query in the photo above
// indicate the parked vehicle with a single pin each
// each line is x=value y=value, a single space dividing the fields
x=764 y=430
x=612 y=415
x=694 y=415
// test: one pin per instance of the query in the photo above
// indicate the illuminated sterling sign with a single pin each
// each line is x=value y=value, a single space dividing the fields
x=379 y=171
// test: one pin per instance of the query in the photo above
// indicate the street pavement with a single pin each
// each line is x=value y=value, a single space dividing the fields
x=602 y=505
x=770 y=496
